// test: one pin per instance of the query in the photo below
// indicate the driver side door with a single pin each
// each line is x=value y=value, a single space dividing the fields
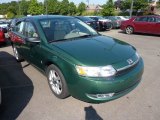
x=31 y=49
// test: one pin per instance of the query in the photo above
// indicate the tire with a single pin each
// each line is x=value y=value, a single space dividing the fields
x=129 y=30
x=57 y=82
x=17 y=55
x=110 y=26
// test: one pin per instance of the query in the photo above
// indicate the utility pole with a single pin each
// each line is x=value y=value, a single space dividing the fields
x=131 y=9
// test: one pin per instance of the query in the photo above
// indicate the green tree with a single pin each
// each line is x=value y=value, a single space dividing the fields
x=35 y=8
x=72 y=9
x=23 y=6
x=64 y=7
x=81 y=8
x=13 y=7
x=138 y=4
x=158 y=5
x=51 y=6
x=10 y=15
x=108 y=8
x=3 y=8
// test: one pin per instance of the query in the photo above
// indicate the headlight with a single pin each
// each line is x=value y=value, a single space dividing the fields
x=137 y=55
x=105 y=71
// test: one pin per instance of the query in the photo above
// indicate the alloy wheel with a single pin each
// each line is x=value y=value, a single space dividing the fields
x=129 y=30
x=55 y=82
x=15 y=53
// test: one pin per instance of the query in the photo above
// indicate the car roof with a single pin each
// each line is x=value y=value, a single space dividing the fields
x=37 y=17
x=149 y=16
x=84 y=18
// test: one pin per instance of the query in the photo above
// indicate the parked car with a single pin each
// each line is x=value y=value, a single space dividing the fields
x=88 y=21
x=76 y=59
x=2 y=35
x=142 y=24
x=122 y=18
x=103 y=24
x=13 y=23
x=116 y=22
x=4 y=24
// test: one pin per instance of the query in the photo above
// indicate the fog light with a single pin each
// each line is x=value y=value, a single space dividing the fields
x=100 y=96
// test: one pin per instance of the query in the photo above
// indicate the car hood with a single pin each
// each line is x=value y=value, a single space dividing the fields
x=96 y=51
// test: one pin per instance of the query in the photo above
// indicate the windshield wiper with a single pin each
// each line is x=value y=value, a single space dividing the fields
x=59 y=40
x=85 y=36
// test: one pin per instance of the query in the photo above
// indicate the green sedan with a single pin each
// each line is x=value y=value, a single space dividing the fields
x=76 y=59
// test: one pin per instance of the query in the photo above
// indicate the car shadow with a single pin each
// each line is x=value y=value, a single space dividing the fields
x=91 y=114
x=16 y=87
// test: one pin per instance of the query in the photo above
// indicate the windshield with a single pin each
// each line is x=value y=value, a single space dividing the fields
x=57 y=29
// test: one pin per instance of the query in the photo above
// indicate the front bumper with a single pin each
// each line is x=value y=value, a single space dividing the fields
x=85 y=87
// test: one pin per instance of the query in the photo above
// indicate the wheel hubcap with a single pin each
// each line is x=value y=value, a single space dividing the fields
x=129 y=30
x=15 y=53
x=55 y=82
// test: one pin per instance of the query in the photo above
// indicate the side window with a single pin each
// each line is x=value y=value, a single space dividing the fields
x=157 y=19
x=19 y=27
x=151 y=19
x=30 y=31
x=141 y=19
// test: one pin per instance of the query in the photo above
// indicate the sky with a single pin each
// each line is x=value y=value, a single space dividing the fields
x=75 y=1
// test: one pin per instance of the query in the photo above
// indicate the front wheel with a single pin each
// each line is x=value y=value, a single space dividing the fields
x=129 y=30
x=16 y=54
x=57 y=82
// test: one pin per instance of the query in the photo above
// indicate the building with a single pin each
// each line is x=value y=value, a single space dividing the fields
x=93 y=8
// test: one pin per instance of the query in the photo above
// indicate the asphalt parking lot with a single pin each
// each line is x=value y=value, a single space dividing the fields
x=26 y=94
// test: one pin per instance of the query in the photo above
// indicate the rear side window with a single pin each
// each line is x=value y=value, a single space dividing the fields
x=141 y=19
x=157 y=19
x=151 y=19
x=19 y=27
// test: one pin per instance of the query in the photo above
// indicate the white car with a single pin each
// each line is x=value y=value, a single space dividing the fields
x=122 y=18
x=3 y=24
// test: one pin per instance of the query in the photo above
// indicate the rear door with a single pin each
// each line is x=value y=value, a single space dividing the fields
x=157 y=28
x=152 y=25
x=140 y=24
x=17 y=37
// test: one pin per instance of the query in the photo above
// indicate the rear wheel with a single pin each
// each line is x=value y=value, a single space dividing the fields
x=57 y=82
x=110 y=26
x=16 y=54
x=129 y=30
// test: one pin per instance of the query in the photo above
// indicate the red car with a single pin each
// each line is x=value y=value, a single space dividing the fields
x=142 y=24
x=2 y=35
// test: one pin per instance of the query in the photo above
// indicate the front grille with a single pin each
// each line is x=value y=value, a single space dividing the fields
x=127 y=69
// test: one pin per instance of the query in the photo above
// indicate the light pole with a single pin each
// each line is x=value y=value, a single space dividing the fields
x=131 y=9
